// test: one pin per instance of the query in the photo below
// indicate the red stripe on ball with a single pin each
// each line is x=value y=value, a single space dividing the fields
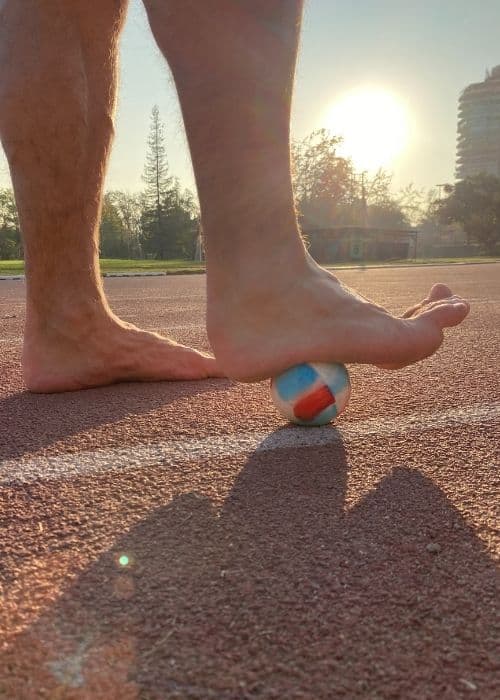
x=309 y=406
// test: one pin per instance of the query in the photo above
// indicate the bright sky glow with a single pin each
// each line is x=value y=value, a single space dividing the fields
x=374 y=125
x=423 y=53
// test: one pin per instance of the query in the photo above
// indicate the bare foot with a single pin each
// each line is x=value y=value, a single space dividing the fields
x=282 y=320
x=84 y=352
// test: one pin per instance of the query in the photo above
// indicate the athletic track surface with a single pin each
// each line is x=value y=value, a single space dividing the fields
x=178 y=540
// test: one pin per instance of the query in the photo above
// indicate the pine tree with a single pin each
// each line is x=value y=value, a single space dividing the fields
x=158 y=183
x=168 y=218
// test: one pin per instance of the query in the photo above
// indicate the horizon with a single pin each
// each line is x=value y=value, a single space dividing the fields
x=409 y=62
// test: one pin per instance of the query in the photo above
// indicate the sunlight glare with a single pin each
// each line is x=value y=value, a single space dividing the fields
x=374 y=124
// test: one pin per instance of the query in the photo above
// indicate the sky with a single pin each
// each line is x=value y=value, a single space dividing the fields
x=422 y=54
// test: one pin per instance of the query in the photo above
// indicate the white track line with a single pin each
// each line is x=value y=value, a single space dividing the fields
x=68 y=466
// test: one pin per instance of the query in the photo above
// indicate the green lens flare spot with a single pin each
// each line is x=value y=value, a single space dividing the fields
x=123 y=560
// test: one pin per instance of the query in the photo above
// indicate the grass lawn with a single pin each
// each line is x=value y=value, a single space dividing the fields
x=419 y=261
x=184 y=267
x=174 y=267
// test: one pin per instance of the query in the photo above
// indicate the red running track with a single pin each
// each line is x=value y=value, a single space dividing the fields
x=363 y=568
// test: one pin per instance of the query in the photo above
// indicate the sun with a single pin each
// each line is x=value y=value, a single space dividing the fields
x=374 y=125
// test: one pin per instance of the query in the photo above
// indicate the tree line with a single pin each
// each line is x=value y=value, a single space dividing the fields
x=162 y=221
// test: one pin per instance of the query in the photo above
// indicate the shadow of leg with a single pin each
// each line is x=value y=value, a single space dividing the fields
x=281 y=593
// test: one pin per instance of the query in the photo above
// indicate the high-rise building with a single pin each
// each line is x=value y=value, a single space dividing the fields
x=478 y=142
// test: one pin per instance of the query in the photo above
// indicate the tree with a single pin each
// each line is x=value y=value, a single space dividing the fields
x=113 y=243
x=384 y=209
x=10 y=234
x=158 y=184
x=412 y=203
x=168 y=220
x=474 y=203
x=129 y=208
x=387 y=215
x=181 y=219
x=330 y=192
x=322 y=179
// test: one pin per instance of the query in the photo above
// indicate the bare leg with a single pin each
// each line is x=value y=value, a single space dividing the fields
x=57 y=100
x=269 y=305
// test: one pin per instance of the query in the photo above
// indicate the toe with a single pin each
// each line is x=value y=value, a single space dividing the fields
x=412 y=311
x=212 y=368
x=439 y=291
x=447 y=313
x=192 y=364
x=427 y=326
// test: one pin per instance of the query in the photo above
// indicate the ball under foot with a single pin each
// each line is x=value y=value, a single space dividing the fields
x=313 y=393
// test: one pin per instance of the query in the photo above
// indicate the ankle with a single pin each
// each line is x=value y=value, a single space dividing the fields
x=72 y=318
x=261 y=274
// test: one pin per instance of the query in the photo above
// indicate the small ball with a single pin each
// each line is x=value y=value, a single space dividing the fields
x=313 y=393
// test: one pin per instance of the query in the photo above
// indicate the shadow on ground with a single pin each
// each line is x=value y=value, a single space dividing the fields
x=280 y=594
x=31 y=422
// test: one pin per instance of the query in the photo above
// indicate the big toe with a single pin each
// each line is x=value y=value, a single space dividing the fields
x=447 y=313
x=439 y=291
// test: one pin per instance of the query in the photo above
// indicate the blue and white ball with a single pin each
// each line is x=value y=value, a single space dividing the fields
x=313 y=393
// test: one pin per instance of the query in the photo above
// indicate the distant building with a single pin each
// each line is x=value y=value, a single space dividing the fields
x=360 y=243
x=478 y=142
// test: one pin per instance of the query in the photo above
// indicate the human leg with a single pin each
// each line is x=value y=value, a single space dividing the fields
x=58 y=64
x=269 y=305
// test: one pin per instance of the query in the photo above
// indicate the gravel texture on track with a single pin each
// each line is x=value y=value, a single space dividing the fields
x=220 y=556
